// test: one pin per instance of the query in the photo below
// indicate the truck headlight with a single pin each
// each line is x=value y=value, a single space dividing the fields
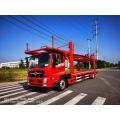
x=45 y=80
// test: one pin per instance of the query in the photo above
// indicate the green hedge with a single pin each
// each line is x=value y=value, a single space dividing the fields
x=13 y=75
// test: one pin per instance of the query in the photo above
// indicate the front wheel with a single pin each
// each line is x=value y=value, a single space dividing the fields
x=62 y=84
x=93 y=76
x=26 y=87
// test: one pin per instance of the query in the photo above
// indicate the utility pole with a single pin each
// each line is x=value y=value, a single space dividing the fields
x=52 y=41
x=96 y=36
x=89 y=51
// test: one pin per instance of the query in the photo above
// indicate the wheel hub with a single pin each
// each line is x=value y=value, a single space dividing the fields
x=62 y=84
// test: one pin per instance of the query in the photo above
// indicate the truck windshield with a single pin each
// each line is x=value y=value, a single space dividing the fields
x=39 y=61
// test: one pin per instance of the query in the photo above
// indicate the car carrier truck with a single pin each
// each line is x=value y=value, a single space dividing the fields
x=50 y=67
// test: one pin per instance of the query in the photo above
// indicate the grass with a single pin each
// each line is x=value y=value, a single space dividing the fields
x=7 y=75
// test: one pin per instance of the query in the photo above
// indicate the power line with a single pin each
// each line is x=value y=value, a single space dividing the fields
x=76 y=28
x=24 y=28
x=17 y=25
x=36 y=24
x=46 y=26
x=43 y=28
x=30 y=26
x=46 y=29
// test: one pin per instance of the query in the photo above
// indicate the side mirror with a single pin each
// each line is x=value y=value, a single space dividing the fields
x=54 y=63
x=27 y=62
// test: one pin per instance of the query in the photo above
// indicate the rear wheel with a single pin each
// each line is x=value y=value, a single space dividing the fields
x=62 y=84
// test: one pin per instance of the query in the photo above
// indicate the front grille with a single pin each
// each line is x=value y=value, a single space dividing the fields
x=36 y=74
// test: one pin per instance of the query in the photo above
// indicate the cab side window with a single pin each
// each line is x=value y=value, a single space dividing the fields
x=56 y=59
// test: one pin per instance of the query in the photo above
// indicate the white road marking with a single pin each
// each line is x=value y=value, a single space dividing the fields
x=10 y=88
x=99 y=101
x=34 y=98
x=76 y=99
x=49 y=101
x=19 y=97
x=11 y=91
x=8 y=95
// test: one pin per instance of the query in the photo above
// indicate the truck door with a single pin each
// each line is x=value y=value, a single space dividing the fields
x=58 y=64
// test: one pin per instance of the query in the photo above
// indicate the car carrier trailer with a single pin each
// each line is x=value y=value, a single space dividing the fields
x=49 y=67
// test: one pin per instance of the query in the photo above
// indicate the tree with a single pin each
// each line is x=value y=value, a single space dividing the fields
x=103 y=64
x=119 y=64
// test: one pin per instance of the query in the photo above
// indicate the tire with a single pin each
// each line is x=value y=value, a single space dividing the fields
x=26 y=87
x=62 y=84
x=93 y=76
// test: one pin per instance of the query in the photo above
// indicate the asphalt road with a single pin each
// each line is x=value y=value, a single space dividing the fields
x=103 y=90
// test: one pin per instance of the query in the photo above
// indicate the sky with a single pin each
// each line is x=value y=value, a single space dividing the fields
x=16 y=31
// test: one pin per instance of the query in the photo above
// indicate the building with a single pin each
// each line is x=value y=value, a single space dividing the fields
x=12 y=64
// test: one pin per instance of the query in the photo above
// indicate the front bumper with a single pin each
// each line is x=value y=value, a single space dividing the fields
x=40 y=82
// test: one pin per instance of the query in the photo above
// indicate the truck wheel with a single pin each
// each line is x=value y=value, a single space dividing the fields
x=93 y=76
x=26 y=87
x=62 y=84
